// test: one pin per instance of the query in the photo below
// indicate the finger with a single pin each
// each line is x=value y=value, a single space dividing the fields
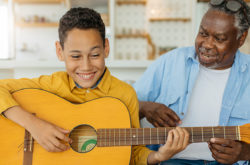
x=62 y=137
x=168 y=121
x=222 y=149
x=50 y=147
x=58 y=145
x=220 y=157
x=224 y=142
x=173 y=115
x=186 y=138
x=163 y=121
x=156 y=124
x=169 y=141
x=222 y=161
x=63 y=130
x=176 y=137
x=181 y=135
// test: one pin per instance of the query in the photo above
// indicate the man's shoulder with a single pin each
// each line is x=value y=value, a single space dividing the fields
x=244 y=57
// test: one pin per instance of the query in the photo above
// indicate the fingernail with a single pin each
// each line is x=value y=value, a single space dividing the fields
x=212 y=140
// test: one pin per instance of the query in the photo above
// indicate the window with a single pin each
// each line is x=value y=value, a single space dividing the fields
x=4 y=31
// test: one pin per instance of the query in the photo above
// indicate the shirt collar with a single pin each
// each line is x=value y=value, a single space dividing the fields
x=105 y=83
x=192 y=56
x=240 y=63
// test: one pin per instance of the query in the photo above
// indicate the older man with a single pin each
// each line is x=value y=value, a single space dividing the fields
x=205 y=85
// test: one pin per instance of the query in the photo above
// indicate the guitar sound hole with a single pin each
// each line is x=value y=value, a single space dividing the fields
x=84 y=138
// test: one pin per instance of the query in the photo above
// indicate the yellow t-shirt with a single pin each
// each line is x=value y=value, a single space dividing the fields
x=61 y=84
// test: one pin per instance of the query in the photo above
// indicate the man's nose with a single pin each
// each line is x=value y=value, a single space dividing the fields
x=208 y=43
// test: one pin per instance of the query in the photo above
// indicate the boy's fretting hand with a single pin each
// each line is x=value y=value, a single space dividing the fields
x=49 y=136
x=176 y=142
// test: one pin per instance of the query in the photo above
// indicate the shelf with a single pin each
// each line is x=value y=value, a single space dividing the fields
x=38 y=1
x=119 y=36
x=146 y=36
x=170 y=19
x=131 y=2
x=37 y=24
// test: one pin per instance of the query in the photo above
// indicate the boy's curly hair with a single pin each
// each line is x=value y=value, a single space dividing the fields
x=80 y=18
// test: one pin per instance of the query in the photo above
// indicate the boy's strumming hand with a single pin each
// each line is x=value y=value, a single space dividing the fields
x=49 y=136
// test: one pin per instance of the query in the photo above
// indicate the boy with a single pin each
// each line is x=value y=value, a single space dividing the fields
x=83 y=48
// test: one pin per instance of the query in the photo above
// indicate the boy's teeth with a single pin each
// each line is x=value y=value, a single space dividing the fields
x=86 y=76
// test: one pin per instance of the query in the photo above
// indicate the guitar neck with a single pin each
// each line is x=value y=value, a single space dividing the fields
x=146 y=136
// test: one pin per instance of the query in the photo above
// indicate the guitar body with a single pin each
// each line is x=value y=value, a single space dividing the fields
x=105 y=112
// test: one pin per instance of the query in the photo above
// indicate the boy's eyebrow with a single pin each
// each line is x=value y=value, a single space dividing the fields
x=75 y=51
x=95 y=47
x=78 y=51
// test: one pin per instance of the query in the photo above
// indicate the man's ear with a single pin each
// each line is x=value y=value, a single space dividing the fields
x=106 y=48
x=243 y=38
x=59 y=51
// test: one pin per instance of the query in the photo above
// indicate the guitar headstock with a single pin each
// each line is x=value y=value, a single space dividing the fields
x=245 y=133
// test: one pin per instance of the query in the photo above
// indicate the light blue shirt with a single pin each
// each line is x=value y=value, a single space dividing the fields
x=171 y=78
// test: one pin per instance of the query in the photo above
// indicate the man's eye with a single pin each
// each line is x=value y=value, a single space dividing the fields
x=203 y=34
x=219 y=39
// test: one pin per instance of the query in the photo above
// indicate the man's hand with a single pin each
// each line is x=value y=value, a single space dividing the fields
x=176 y=142
x=158 y=114
x=227 y=151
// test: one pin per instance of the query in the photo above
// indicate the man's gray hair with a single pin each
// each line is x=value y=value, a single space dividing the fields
x=241 y=17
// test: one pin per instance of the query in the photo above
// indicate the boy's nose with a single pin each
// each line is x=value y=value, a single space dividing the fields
x=85 y=64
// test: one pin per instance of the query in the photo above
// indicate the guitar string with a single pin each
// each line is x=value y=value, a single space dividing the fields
x=139 y=138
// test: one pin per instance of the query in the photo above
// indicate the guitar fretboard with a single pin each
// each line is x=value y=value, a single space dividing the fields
x=145 y=136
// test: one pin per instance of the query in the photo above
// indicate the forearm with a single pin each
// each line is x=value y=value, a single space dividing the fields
x=141 y=105
x=19 y=116
x=152 y=158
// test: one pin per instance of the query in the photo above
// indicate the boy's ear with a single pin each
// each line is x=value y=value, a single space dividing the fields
x=59 y=51
x=106 y=49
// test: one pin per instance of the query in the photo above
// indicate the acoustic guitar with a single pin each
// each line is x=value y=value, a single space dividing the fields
x=100 y=129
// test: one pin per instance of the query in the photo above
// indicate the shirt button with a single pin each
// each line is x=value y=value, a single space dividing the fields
x=87 y=91
x=182 y=113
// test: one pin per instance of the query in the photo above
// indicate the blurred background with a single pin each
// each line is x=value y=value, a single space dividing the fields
x=139 y=32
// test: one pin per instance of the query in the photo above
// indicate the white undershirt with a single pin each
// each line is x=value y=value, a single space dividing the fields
x=204 y=109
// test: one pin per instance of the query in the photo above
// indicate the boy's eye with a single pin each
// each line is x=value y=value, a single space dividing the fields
x=94 y=55
x=75 y=56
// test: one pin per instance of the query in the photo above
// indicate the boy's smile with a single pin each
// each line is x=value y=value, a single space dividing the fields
x=84 y=56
